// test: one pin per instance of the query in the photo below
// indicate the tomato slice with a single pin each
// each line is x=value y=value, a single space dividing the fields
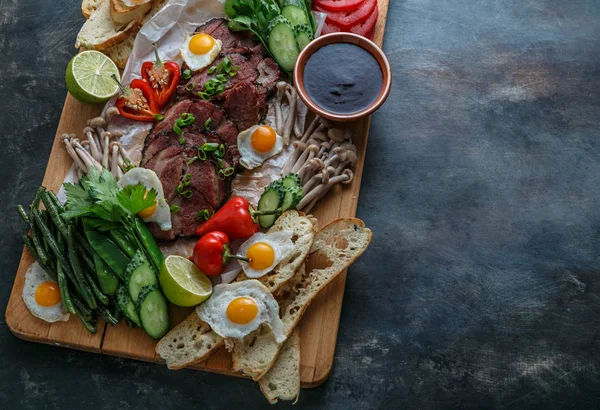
x=347 y=20
x=339 y=5
x=330 y=28
x=367 y=27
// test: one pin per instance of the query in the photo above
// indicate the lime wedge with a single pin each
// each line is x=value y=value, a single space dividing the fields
x=182 y=282
x=89 y=77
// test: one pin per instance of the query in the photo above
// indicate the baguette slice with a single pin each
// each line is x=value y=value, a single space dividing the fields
x=89 y=6
x=100 y=32
x=187 y=343
x=120 y=53
x=340 y=243
x=122 y=13
x=282 y=381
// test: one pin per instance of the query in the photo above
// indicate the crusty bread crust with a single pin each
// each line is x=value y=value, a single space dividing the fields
x=121 y=13
x=341 y=243
x=111 y=33
x=89 y=6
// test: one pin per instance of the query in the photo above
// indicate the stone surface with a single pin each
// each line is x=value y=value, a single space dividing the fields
x=482 y=186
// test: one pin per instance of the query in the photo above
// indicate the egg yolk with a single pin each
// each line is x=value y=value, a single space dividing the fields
x=147 y=212
x=261 y=255
x=264 y=138
x=242 y=310
x=201 y=43
x=47 y=293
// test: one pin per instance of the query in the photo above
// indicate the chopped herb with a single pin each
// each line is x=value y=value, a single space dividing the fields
x=187 y=179
x=228 y=171
x=187 y=194
x=184 y=120
x=204 y=214
x=208 y=123
x=221 y=78
x=174 y=208
x=159 y=117
x=209 y=147
x=203 y=95
x=212 y=70
x=187 y=74
x=190 y=86
x=201 y=155
x=181 y=140
x=191 y=161
x=127 y=164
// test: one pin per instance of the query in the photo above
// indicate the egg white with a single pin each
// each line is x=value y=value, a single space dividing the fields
x=135 y=3
x=149 y=179
x=214 y=310
x=281 y=242
x=34 y=277
x=197 y=62
x=249 y=158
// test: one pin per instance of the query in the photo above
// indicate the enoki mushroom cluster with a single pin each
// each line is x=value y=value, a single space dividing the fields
x=98 y=148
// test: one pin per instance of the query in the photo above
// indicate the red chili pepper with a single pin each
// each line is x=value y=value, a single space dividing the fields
x=137 y=101
x=212 y=252
x=162 y=76
x=237 y=219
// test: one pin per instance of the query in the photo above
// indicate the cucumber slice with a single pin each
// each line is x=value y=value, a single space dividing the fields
x=291 y=180
x=153 y=312
x=304 y=35
x=282 y=43
x=126 y=305
x=269 y=201
x=295 y=15
x=139 y=274
x=291 y=198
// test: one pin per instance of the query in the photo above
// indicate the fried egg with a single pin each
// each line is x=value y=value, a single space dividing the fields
x=41 y=295
x=200 y=50
x=257 y=144
x=265 y=251
x=235 y=310
x=160 y=213
x=135 y=3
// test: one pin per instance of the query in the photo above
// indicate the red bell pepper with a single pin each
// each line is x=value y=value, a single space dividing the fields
x=137 y=101
x=212 y=252
x=162 y=76
x=237 y=219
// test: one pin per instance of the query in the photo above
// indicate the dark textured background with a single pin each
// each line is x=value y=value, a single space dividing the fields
x=482 y=187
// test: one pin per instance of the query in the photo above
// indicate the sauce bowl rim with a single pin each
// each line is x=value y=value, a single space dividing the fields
x=337 y=38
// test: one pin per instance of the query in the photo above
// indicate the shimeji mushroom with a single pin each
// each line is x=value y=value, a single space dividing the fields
x=323 y=157
x=286 y=126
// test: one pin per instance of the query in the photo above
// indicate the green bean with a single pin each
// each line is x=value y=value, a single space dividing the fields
x=57 y=203
x=54 y=213
x=83 y=309
x=64 y=288
x=37 y=243
x=107 y=315
x=75 y=265
x=83 y=243
x=121 y=240
x=23 y=214
x=31 y=247
x=85 y=257
x=95 y=289
x=86 y=323
x=37 y=217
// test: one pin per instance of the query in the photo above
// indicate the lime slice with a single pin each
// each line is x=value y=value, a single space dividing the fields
x=89 y=77
x=183 y=283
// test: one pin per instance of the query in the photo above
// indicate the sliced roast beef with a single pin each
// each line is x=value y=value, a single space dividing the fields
x=203 y=110
x=171 y=115
x=242 y=106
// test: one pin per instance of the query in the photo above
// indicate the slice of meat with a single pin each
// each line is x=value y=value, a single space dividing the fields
x=203 y=110
x=184 y=221
x=268 y=73
x=242 y=105
x=227 y=132
x=171 y=115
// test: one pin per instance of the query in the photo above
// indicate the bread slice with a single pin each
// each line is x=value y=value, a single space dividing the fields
x=100 y=32
x=189 y=342
x=89 y=6
x=340 y=243
x=303 y=234
x=186 y=344
x=122 y=13
x=282 y=381
x=120 y=53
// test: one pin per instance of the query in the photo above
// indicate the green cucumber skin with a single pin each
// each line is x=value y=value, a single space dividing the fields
x=296 y=15
x=270 y=200
x=282 y=43
x=126 y=305
x=154 y=314
x=140 y=274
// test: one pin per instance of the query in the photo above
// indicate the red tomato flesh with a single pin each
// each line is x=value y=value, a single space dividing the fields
x=364 y=29
x=339 y=5
x=347 y=20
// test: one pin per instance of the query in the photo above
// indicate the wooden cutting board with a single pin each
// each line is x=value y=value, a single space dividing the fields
x=318 y=328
